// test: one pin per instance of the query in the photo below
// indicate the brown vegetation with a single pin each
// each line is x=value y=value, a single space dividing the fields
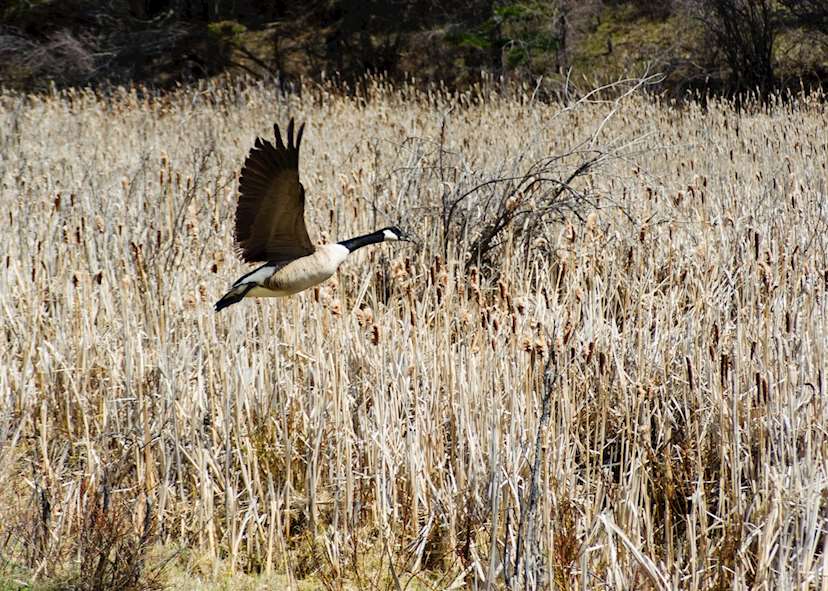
x=627 y=393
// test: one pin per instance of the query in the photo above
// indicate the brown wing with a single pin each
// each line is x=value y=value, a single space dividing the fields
x=270 y=215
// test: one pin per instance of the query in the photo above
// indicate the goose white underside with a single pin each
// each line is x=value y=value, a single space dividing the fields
x=257 y=275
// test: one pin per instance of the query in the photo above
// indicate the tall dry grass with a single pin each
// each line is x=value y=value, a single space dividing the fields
x=381 y=431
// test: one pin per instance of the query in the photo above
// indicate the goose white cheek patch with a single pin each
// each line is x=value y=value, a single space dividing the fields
x=389 y=235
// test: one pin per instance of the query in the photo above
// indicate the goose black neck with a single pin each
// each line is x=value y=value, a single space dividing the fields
x=353 y=244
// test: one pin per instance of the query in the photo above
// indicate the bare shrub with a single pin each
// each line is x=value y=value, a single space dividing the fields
x=112 y=545
x=63 y=58
x=483 y=211
x=101 y=541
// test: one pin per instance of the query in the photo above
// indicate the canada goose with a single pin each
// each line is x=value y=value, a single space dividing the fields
x=270 y=226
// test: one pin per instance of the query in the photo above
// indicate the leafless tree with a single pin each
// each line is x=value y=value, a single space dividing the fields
x=745 y=31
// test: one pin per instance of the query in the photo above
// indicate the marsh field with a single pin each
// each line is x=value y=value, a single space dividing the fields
x=602 y=367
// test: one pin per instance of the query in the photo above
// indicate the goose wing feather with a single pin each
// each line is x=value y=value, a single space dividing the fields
x=270 y=215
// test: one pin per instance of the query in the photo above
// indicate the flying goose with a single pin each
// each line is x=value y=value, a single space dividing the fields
x=270 y=226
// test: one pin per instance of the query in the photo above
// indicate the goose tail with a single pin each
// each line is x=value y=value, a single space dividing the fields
x=235 y=295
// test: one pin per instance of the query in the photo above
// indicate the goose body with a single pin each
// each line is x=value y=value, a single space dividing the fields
x=270 y=227
x=295 y=276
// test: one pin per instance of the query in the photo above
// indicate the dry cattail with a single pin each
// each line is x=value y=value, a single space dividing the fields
x=364 y=316
x=669 y=329
x=398 y=270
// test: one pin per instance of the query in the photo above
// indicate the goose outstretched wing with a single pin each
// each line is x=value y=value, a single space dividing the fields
x=270 y=215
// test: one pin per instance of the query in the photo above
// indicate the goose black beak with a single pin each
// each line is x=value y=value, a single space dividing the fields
x=408 y=237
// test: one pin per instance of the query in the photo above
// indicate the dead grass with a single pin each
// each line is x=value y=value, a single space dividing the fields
x=380 y=431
